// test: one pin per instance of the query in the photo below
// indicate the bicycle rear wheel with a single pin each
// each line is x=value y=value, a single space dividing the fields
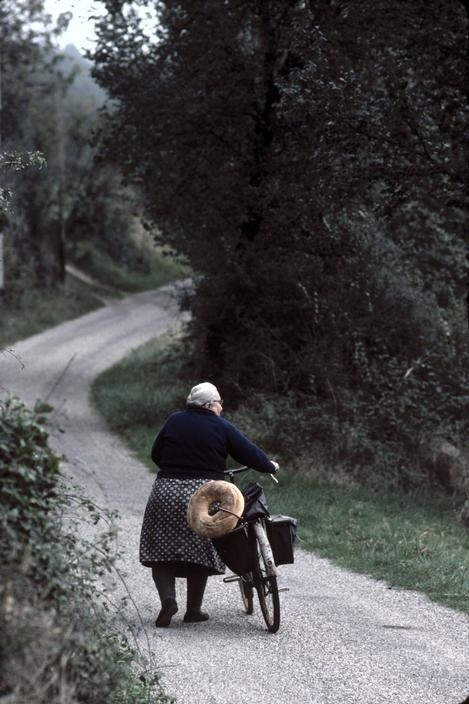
x=267 y=591
x=246 y=595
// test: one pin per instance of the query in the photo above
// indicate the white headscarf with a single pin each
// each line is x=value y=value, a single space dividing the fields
x=203 y=394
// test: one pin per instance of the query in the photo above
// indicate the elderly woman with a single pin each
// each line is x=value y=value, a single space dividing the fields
x=190 y=449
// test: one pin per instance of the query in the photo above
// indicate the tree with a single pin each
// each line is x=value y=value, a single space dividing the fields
x=51 y=105
x=27 y=114
x=306 y=157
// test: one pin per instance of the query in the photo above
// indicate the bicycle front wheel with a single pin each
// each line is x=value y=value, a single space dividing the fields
x=267 y=591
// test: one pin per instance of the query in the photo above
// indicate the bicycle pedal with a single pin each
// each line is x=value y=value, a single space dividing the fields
x=233 y=578
x=284 y=589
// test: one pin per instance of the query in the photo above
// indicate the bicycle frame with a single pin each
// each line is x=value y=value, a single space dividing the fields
x=265 y=548
x=263 y=575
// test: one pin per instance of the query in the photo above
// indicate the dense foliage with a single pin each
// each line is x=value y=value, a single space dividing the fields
x=58 y=643
x=65 y=205
x=309 y=159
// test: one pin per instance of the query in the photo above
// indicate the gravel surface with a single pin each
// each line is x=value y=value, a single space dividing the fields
x=344 y=638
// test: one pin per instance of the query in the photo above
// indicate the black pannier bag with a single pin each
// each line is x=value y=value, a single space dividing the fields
x=255 y=502
x=281 y=532
x=234 y=550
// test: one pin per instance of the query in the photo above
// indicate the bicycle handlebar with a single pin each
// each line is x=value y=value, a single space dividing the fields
x=238 y=470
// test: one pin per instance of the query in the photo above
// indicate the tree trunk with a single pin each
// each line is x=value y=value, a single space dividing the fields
x=263 y=122
x=465 y=4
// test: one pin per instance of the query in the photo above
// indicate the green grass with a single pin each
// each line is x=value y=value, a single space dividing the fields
x=37 y=310
x=162 y=270
x=411 y=541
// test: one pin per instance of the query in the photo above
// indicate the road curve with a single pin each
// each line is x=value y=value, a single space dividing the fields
x=344 y=638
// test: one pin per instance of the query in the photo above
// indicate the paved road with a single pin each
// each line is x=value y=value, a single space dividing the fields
x=344 y=638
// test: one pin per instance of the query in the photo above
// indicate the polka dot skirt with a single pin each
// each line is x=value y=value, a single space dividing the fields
x=165 y=535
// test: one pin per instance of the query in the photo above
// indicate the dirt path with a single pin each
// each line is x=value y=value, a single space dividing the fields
x=344 y=638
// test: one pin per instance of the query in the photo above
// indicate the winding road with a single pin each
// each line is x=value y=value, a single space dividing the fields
x=344 y=638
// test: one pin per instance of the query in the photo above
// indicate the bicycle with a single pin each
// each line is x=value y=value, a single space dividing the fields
x=262 y=575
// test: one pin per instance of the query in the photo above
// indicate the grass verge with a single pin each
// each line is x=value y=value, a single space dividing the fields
x=37 y=310
x=411 y=541
x=160 y=269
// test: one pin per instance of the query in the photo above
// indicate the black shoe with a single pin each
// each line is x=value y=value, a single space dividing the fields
x=195 y=616
x=169 y=608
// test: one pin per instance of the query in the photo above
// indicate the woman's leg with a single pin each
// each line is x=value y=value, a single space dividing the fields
x=164 y=577
x=196 y=583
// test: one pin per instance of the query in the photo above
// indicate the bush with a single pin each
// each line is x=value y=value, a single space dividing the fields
x=381 y=437
x=59 y=641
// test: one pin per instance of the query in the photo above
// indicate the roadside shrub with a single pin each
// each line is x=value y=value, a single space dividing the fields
x=59 y=640
x=384 y=436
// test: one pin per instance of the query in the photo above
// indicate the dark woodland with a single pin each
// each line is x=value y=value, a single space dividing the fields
x=309 y=159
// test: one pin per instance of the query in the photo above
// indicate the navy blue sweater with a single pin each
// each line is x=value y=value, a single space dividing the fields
x=195 y=443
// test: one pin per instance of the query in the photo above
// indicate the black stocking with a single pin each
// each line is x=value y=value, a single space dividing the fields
x=195 y=591
x=164 y=577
